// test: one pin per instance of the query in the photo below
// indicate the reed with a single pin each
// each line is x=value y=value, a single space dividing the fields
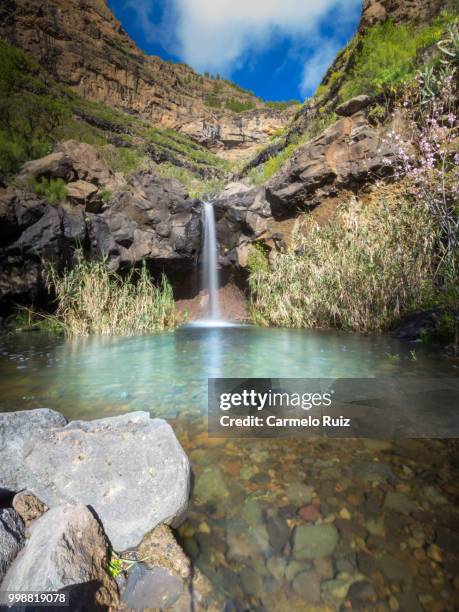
x=93 y=300
x=365 y=269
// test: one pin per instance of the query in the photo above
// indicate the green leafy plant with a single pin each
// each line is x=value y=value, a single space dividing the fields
x=388 y=55
x=106 y=195
x=54 y=190
x=239 y=106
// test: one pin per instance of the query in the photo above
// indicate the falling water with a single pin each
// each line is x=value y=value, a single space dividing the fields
x=209 y=261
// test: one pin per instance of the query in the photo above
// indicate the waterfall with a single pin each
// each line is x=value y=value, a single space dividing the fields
x=210 y=260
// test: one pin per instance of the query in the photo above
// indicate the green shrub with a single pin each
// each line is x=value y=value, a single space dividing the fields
x=93 y=300
x=237 y=106
x=257 y=260
x=388 y=55
x=213 y=101
x=54 y=190
x=282 y=105
x=124 y=160
x=30 y=114
x=359 y=273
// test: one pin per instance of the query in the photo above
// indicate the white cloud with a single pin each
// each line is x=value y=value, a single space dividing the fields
x=216 y=35
x=316 y=66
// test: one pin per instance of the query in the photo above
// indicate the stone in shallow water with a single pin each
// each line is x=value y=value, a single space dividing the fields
x=314 y=541
x=252 y=582
x=296 y=567
x=210 y=485
x=434 y=496
x=335 y=591
x=399 y=502
x=155 y=588
x=307 y=586
x=278 y=533
x=131 y=469
x=276 y=567
x=393 y=568
x=309 y=513
x=11 y=537
x=252 y=513
x=299 y=493
x=374 y=472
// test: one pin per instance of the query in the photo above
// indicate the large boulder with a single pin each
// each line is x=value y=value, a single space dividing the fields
x=347 y=155
x=166 y=578
x=68 y=552
x=87 y=163
x=12 y=538
x=131 y=469
x=348 y=108
x=151 y=220
x=72 y=161
x=155 y=219
x=84 y=194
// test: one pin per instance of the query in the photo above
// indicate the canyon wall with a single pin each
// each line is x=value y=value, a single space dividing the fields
x=82 y=44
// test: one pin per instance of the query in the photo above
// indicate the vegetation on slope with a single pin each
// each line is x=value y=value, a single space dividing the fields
x=36 y=112
x=396 y=253
x=381 y=62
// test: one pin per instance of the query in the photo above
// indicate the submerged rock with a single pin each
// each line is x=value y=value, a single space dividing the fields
x=131 y=469
x=314 y=541
x=151 y=588
x=11 y=538
x=68 y=551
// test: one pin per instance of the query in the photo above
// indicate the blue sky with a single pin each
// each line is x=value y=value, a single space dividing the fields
x=279 y=49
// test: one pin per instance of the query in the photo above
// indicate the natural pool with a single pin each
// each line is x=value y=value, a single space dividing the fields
x=381 y=512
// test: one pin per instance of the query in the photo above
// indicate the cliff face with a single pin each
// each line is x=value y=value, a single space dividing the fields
x=414 y=11
x=82 y=44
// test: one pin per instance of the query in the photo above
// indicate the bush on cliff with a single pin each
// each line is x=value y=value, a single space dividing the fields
x=389 y=54
x=93 y=300
x=29 y=115
x=361 y=272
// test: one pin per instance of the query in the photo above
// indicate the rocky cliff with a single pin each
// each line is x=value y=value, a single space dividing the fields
x=82 y=44
x=414 y=11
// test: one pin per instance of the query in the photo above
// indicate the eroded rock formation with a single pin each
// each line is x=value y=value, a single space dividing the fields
x=345 y=158
x=148 y=218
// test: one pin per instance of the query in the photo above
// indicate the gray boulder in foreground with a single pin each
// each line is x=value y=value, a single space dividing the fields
x=12 y=538
x=130 y=469
x=67 y=551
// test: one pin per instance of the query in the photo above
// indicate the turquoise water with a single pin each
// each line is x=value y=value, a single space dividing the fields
x=167 y=373
x=252 y=497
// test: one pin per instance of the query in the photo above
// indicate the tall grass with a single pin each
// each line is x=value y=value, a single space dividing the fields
x=93 y=300
x=361 y=272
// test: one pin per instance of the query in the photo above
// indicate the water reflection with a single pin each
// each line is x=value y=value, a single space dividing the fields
x=167 y=372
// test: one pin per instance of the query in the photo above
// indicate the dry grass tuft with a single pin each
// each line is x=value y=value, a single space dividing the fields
x=93 y=300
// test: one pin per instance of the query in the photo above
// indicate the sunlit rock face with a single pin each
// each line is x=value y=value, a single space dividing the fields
x=87 y=49
x=416 y=11
x=130 y=469
x=345 y=158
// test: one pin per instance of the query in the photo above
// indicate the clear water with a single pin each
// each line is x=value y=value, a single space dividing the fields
x=248 y=494
x=167 y=373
